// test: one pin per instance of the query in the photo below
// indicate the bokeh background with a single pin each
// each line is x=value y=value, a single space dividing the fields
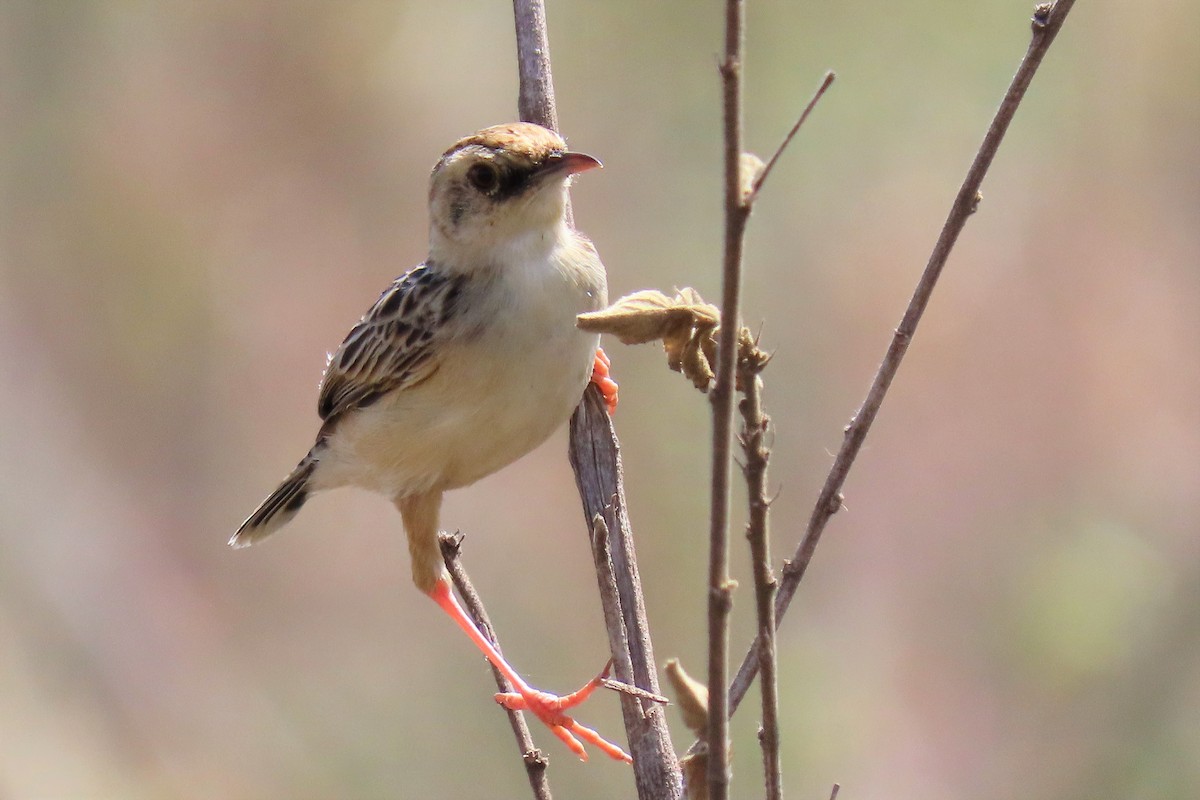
x=198 y=199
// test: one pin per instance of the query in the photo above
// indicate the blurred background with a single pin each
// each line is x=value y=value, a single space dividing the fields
x=197 y=200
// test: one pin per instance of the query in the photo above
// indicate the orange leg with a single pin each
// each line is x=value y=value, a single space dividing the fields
x=550 y=709
x=606 y=385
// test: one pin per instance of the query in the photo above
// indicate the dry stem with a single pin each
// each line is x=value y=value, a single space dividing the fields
x=595 y=458
x=757 y=185
x=1047 y=21
x=719 y=586
x=755 y=426
x=535 y=760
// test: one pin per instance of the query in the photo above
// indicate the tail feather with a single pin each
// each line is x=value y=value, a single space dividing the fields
x=278 y=509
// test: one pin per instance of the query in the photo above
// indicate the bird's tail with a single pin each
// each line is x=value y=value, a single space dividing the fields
x=278 y=509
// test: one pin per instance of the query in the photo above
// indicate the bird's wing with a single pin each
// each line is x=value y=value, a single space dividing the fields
x=395 y=345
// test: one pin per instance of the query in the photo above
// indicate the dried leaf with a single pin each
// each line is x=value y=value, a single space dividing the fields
x=637 y=318
x=684 y=324
x=695 y=364
x=687 y=327
x=695 y=773
x=691 y=697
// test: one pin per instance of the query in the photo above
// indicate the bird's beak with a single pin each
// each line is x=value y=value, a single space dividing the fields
x=568 y=163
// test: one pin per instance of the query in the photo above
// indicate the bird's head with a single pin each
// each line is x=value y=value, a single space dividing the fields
x=500 y=186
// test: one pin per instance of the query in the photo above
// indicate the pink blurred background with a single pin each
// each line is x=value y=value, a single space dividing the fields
x=198 y=200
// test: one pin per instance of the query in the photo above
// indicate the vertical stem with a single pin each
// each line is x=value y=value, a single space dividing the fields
x=596 y=460
x=754 y=431
x=1048 y=19
x=719 y=589
x=535 y=94
x=535 y=98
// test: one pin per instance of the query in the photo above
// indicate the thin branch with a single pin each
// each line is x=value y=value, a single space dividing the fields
x=755 y=425
x=610 y=601
x=596 y=459
x=720 y=598
x=535 y=760
x=1048 y=19
x=535 y=98
x=612 y=684
x=756 y=187
x=535 y=95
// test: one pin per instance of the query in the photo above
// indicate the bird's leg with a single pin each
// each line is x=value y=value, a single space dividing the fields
x=606 y=385
x=549 y=708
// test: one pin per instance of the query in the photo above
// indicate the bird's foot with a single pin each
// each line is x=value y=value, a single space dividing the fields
x=551 y=710
x=603 y=381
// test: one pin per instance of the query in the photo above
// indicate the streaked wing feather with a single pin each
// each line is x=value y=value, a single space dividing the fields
x=394 y=345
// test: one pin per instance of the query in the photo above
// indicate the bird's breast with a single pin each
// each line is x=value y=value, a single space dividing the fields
x=510 y=378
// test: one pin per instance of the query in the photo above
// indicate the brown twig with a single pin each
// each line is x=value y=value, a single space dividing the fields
x=535 y=94
x=753 y=439
x=596 y=458
x=535 y=760
x=535 y=98
x=757 y=185
x=720 y=599
x=614 y=685
x=1048 y=19
x=755 y=425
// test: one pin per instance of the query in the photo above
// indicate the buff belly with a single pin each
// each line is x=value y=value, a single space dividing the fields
x=484 y=408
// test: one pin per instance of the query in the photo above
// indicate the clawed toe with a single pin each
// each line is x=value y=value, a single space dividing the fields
x=551 y=709
x=604 y=382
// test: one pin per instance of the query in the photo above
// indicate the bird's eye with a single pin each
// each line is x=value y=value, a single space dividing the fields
x=483 y=177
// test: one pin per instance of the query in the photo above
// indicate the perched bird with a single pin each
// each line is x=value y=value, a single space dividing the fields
x=465 y=363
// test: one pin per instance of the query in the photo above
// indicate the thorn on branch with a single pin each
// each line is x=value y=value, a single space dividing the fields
x=450 y=543
x=1041 y=16
x=767 y=738
x=724 y=594
x=633 y=691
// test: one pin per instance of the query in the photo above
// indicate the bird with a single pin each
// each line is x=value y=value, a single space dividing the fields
x=464 y=364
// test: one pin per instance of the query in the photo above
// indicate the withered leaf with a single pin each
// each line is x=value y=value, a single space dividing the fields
x=691 y=697
x=686 y=326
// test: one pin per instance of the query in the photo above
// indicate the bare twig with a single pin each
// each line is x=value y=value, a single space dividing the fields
x=757 y=185
x=535 y=98
x=535 y=760
x=596 y=458
x=614 y=685
x=1048 y=19
x=720 y=592
x=535 y=95
x=755 y=425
